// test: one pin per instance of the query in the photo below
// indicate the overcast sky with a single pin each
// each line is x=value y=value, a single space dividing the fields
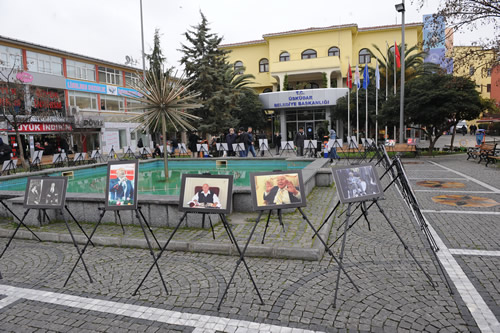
x=111 y=29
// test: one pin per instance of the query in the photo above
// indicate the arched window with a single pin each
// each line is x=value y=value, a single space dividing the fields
x=309 y=54
x=263 y=65
x=285 y=56
x=238 y=67
x=334 y=52
x=267 y=90
x=365 y=56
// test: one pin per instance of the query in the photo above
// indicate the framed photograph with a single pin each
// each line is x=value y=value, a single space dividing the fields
x=413 y=141
x=390 y=142
x=357 y=183
x=206 y=193
x=121 y=185
x=277 y=190
x=45 y=192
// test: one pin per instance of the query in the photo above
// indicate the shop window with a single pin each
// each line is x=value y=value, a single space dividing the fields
x=131 y=79
x=83 y=100
x=110 y=76
x=44 y=63
x=264 y=65
x=238 y=67
x=365 y=56
x=80 y=70
x=48 y=101
x=112 y=103
x=334 y=52
x=11 y=57
x=285 y=56
x=309 y=54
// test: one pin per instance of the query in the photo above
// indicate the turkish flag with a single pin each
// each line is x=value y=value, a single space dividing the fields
x=349 y=77
x=398 y=56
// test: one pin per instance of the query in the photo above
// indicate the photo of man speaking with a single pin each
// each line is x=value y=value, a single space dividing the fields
x=283 y=193
x=277 y=190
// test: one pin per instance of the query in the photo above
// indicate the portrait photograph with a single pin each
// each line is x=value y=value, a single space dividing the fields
x=357 y=183
x=121 y=185
x=206 y=193
x=45 y=192
x=277 y=190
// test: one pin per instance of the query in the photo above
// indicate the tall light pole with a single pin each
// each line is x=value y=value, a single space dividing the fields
x=401 y=9
x=143 y=54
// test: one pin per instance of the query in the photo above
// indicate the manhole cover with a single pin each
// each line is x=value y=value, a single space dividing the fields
x=464 y=201
x=440 y=184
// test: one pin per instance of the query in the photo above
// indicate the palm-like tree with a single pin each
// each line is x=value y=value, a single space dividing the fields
x=165 y=101
x=414 y=65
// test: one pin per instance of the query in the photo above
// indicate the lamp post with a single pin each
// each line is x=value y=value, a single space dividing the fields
x=400 y=7
x=143 y=54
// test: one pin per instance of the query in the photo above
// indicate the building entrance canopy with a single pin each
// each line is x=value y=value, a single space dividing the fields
x=302 y=98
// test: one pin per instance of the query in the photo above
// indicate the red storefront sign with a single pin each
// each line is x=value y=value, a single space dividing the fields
x=45 y=127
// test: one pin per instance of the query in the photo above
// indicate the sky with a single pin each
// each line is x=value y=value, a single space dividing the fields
x=111 y=29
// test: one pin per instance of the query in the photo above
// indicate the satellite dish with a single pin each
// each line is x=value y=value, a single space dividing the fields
x=127 y=58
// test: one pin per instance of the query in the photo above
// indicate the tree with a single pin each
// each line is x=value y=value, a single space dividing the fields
x=206 y=66
x=434 y=103
x=165 y=101
x=156 y=58
x=469 y=15
x=249 y=111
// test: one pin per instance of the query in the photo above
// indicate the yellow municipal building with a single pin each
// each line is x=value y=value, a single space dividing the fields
x=313 y=63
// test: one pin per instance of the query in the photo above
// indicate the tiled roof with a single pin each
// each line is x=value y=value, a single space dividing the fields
x=260 y=41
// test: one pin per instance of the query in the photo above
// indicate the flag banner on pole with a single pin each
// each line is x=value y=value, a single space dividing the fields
x=398 y=56
x=377 y=76
x=356 y=78
x=366 y=77
x=349 y=78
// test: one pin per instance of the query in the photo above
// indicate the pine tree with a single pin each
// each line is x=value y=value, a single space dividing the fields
x=206 y=66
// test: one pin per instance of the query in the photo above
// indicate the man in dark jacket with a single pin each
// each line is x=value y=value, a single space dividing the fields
x=299 y=141
x=243 y=138
x=5 y=152
x=230 y=139
x=193 y=140
x=277 y=142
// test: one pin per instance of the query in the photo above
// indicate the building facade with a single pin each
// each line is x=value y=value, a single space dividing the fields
x=72 y=100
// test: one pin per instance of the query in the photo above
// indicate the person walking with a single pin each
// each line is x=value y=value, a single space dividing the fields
x=333 y=150
x=230 y=139
x=299 y=141
x=243 y=138
x=250 y=147
x=277 y=142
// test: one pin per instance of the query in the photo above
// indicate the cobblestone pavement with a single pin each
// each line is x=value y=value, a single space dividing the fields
x=394 y=294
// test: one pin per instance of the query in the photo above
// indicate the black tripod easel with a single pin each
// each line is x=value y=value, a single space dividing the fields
x=222 y=148
x=344 y=238
x=128 y=153
x=263 y=147
x=58 y=159
x=112 y=154
x=97 y=156
x=288 y=146
x=351 y=146
x=182 y=149
x=232 y=238
x=238 y=147
x=203 y=148
x=9 y=166
x=311 y=147
x=142 y=220
x=280 y=219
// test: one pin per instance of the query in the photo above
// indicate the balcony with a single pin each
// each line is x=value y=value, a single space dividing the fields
x=305 y=65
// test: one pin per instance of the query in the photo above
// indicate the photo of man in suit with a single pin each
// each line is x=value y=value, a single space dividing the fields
x=205 y=198
x=284 y=193
x=121 y=188
x=51 y=193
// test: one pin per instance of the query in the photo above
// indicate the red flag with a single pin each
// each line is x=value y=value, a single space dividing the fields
x=398 y=56
x=349 y=77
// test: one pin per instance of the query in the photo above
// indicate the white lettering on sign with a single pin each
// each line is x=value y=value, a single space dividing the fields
x=45 y=128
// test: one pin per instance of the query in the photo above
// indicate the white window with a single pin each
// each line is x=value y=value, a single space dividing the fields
x=11 y=57
x=83 y=100
x=112 y=103
x=131 y=79
x=110 y=76
x=44 y=63
x=80 y=70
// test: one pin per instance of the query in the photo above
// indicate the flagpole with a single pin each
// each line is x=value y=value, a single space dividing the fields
x=349 y=86
x=377 y=87
x=387 y=72
x=395 y=68
x=366 y=113
x=357 y=115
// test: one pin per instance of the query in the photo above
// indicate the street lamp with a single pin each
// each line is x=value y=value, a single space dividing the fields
x=143 y=54
x=400 y=8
